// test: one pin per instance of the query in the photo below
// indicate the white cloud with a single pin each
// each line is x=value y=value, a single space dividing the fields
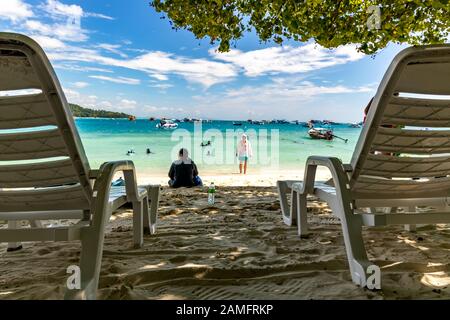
x=92 y=101
x=274 y=60
x=299 y=99
x=127 y=104
x=59 y=9
x=72 y=53
x=114 y=48
x=201 y=71
x=74 y=96
x=78 y=68
x=162 y=86
x=62 y=31
x=288 y=59
x=105 y=104
x=15 y=10
x=159 y=76
x=287 y=90
x=37 y=26
x=80 y=84
x=122 y=80
x=49 y=43
x=66 y=22
x=98 y=15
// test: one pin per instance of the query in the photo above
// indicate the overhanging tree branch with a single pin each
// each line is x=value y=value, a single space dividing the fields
x=330 y=23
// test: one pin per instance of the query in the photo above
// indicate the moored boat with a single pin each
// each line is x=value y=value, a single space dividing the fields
x=321 y=133
x=167 y=125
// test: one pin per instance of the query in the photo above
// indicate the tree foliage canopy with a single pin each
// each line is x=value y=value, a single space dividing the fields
x=329 y=23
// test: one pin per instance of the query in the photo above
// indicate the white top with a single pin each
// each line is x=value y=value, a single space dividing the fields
x=244 y=149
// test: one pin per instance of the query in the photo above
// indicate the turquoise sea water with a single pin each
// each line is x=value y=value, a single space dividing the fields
x=275 y=146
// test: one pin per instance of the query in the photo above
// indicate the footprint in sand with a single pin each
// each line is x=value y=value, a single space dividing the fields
x=43 y=251
x=171 y=212
x=121 y=229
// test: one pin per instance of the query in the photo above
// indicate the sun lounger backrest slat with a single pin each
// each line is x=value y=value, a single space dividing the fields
x=404 y=147
x=36 y=130
x=405 y=167
x=417 y=112
x=70 y=197
x=59 y=172
x=25 y=112
x=373 y=188
x=398 y=140
x=16 y=72
x=32 y=145
x=428 y=74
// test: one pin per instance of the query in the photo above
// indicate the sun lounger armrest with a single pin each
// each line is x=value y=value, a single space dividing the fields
x=106 y=174
x=337 y=169
x=93 y=174
x=348 y=167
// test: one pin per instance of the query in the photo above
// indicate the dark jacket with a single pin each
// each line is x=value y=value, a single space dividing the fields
x=182 y=174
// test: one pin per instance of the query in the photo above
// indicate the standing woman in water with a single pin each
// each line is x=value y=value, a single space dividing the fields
x=244 y=152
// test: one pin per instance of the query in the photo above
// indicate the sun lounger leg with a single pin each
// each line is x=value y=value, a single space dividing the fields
x=299 y=209
x=285 y=210
x=138 y=223
x=14 y=246
x=354 y=244
x=302 y=211
x=146 y=218
x=90 y=261
x=151 y=219
x=294 y=207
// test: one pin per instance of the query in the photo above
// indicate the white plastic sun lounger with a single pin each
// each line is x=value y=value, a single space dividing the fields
x=44 y=172
x=407 y=165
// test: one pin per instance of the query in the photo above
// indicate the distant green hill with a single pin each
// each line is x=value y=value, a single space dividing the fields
x=82 y=112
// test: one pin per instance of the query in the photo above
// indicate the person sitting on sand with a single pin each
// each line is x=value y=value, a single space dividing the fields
x=244 y=152
x=183 y=172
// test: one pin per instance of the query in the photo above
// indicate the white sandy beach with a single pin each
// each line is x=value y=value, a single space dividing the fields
x=238 y=249
x=260 y=178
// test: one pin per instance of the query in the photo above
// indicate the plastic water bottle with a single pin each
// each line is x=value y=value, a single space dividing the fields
x=211 y=193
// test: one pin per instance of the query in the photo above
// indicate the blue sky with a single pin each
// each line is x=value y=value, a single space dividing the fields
x=119 y=55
